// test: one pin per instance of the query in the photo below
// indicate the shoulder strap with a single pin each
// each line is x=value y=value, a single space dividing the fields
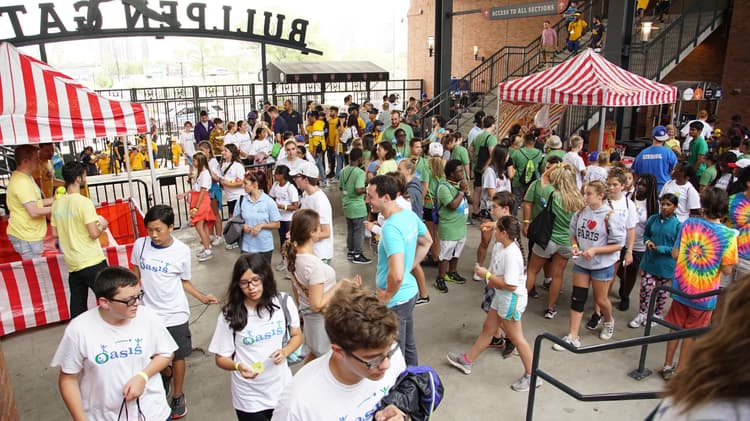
x=549 y=200
x=285 y=309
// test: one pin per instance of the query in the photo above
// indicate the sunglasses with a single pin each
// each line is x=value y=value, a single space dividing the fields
x=375 y=362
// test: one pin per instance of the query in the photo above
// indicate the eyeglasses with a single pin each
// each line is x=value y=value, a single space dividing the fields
x=254 y=281
x=130 y=302
x=375 y=362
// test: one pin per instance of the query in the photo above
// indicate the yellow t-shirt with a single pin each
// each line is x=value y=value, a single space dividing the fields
x=333 y=133
x=576 y=29
x=387 y=166
x=70 y=214
x=103 y=165
x=361 y=123
x=22 y=189
x=316 y=131
x=176 y=152
x=136 y=161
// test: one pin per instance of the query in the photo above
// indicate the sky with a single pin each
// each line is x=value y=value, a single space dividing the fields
x=343 y=30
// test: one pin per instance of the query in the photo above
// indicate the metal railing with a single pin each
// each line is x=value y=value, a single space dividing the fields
x=642 y=341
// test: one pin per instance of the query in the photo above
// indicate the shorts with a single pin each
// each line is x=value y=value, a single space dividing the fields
x=27 y=249
x=451 y=249
x=427 y=214
x=741 y=269
x=509 y=306
x=181 y=335
x=601 y=275
x=686 y=317
x=574 y=45
x=552 y=248
x=477 y=179
x=314 y=332
x=549 y=48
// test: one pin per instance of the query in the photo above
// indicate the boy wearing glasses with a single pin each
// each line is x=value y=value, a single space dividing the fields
x=111 y=355
x=350 y=380
x=162 y=263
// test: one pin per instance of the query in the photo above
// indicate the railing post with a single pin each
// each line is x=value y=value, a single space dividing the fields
x=532 y=387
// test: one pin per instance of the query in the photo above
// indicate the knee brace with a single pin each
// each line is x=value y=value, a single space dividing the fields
x=578 y=299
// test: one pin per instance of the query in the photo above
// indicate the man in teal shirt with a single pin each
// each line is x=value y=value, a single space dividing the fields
x=352 y=187
x=698 y=148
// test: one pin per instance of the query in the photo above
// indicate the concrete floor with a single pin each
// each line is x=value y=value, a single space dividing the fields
x=450 y=322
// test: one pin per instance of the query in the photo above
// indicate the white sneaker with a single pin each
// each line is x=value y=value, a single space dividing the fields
x=575 y=342
x=638 y=321
x=231 y=246
x=608 y=329
x=207 y=254
x=281 y=267
x=476 y=277
x=217 y=241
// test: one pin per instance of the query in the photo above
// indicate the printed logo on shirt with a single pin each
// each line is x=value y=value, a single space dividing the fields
x=267 y=331
x=377 y=395
x=586 y=231
x=120 y=349
x=158 y=266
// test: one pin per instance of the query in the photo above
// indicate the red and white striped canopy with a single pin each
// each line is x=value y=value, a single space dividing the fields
x=40 y=104
x=587 y=79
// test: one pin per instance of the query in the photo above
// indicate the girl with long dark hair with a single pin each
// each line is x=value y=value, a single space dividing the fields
x=286 y=196
x=496 y=176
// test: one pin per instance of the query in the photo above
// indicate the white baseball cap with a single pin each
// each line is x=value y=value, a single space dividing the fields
x=436 y=149
x=309 y=170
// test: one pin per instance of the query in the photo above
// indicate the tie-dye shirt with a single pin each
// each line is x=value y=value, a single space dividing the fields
x=739 y=215
x=704 y=247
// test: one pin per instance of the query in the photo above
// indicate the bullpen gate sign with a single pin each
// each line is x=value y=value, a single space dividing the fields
x=95 y=18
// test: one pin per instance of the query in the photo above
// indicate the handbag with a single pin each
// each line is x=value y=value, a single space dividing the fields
x=233 y=229
x=540 y=229
x=296 y=356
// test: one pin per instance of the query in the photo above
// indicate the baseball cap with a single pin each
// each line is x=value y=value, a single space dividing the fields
x=372 y=111
x=377 y=123
x=742 y=163
x=660 y=133
x=554 y=142
x=309 y=170
x=436 y=149
x=593 y=156
x=252 y=115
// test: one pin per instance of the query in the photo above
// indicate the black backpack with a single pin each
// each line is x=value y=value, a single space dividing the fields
x=484 y=151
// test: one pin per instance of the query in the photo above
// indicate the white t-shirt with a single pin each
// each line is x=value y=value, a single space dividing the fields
x=203 y=181
x=509 y=262
x=108 y=356
x=162 y=271
x=282 y=156
x=717 y=409
x=595 y=172
x=310 y=270
x=284 y=195
x=625 y=208
x=724 y=181
x=640 y=228
x=243 y=142
x=230 y=138
x=577 y=162
x=233 y=171
x=187 y=143
x=688 y=198
x=261 y=336
x=319 y=202
x=315 y=394
x=490 y=180
x=294 y=166
x=214 y=166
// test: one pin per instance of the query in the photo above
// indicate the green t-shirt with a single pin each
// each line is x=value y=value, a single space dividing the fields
x=520 y=158
x=452 y=225
x=351 y=179
x=460 y=153
x=422 y=169
x=555 y=152
x=698 y=146
x=389 y=133
x=708 y=176
x=561 y=226
x=537 y=195
x=432 y=182
x=483 y=138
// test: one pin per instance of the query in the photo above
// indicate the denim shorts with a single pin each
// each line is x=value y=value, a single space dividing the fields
x=602 y=275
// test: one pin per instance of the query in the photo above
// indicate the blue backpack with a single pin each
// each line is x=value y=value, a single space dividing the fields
x=418 y=391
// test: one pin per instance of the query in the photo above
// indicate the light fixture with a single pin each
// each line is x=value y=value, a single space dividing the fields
x=476 y=54
x=645 y=30
x=431 y=44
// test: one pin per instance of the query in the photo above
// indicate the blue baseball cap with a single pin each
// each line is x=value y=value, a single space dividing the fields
x=660 y=133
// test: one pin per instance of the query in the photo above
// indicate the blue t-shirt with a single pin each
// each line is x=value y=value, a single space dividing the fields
x=656 y=160
x=253 y=213
x=399 y=235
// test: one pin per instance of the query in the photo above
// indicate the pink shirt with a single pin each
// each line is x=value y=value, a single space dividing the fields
x=549 y=36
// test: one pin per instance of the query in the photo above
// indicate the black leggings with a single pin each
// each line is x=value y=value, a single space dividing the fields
x=628 y=274
x=254 y=416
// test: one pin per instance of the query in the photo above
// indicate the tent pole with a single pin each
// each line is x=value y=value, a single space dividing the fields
x=128 y=169
x=157 y=192
x=602 y=117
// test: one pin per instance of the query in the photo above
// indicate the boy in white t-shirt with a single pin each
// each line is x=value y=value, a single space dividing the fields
x=572 y=157
x=598 y=167
x=363 y=364
x=112 y=354
x=688 y=198
x=162 y=263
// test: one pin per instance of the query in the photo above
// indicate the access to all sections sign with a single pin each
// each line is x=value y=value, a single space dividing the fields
x=521 y=10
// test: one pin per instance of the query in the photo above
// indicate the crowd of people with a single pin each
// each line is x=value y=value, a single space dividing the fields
x=415 y=199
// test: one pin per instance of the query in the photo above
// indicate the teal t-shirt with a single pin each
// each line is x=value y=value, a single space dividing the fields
x=452 y=225
x=422 y=169
x=698 y=146
x=399 y=235
x=351 y=179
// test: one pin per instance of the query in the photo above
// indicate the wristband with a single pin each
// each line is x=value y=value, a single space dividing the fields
x=143 y=375
x=526 y=221
x=237 y=366
x=194 y=209
x=285 y=207
x=488 y=275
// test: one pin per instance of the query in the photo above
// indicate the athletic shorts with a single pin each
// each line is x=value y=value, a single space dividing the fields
x=509 y=306
x=552 y=249
x=602 y=275
x=477 y=179
x=181 y=335
x=451 y=249
x=686 y=317
x=427 y=214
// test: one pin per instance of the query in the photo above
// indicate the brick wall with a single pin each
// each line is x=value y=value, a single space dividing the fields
x=704 y=63
x=8 y=411
x=735 y=81
x=468 y=30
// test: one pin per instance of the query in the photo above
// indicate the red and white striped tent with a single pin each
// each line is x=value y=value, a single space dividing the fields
x=587 y=79
x=40 y=104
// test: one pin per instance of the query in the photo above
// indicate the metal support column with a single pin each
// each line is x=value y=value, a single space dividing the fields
x=443 y=46
x=264 y=70
x=617 y=50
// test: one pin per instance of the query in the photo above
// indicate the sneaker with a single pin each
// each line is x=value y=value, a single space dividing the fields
x=456 y=278
x=360 y=259
x=349 y=255
x=476 y=277
x=550 y=313
x=575 y=342
x=624 y=304
x=594 y=321
x=608 y=329
x=422 y=300
x=231 y=246
x=509 y=348
x=639 y=321
x=205 y=255
x=281 y=267
x=440 y=285
x=179 y=409
x=457 y=360
x=333 y=181
x=497 y=343
x=524 y=383
x=667 y=372
x=533 y=293
x=546 y=283
x=217 y=241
